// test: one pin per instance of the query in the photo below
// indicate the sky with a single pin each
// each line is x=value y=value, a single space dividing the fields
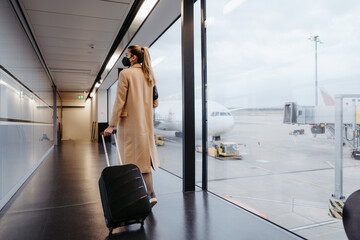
x=260 y=55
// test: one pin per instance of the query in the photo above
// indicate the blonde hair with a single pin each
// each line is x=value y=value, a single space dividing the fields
x=143 y=57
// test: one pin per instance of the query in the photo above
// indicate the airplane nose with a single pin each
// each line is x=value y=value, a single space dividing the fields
x=227 y=124
x=231 y=123
x=220 y=125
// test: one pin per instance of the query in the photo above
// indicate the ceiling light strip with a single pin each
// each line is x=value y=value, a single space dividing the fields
x=136 y=17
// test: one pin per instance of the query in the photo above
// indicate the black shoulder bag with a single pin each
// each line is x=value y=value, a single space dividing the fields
x=155 y=93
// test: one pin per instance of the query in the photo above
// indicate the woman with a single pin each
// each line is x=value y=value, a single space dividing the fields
x=132 y=112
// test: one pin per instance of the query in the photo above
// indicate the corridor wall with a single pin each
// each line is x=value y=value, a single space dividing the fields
x=26 y=100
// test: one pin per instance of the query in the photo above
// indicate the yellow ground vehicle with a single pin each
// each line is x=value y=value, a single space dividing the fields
x=159 y=140
x=224 y=150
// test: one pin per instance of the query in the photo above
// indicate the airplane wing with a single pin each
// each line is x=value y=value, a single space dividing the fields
x=235 y=109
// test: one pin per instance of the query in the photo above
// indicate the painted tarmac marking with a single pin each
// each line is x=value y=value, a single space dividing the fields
x=293 y=203
x=314 y=225
x=272 y=173
x=262 y=161
x=170 y=140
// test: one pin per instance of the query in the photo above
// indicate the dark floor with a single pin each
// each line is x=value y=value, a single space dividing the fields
x=61 y=201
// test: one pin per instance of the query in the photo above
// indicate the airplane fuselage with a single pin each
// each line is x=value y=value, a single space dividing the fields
x=168 y=116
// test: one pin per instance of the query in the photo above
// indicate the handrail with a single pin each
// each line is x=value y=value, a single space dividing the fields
x=12 y=120
x=22 y=84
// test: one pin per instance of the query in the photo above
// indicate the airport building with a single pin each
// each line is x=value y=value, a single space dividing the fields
x=257 y=125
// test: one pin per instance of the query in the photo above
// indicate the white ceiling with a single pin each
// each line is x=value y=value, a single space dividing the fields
x=66 y=31
x=165 y=12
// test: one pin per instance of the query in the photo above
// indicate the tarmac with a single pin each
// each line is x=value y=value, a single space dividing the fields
x=287 y=178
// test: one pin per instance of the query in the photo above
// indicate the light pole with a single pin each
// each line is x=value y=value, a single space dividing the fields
x=316 y=40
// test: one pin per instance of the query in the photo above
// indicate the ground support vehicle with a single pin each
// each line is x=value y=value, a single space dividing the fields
x=223 y=151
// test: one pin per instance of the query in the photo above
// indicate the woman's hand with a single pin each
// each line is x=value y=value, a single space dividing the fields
x=108 y=131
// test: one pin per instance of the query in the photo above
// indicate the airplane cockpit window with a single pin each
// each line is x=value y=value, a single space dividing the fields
x=213 y=114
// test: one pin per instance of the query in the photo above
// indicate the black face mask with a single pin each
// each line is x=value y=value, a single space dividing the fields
x=126 y=62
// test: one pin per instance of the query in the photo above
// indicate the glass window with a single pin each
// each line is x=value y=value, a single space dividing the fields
x=111 y=98
x=261 y=56
x=166 y=61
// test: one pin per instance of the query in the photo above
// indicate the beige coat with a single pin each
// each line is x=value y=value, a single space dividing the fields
x=132 y=113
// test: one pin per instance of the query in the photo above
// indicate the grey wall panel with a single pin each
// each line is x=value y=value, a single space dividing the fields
x=26 y=129
x=22 y=149
x=42 y=140
x=13 y=166
x=18 y=56
x=2 y=147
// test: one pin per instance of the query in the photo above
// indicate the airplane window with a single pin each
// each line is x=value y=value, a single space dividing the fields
x=217 y=114
x=213 y=114
x=222 y=114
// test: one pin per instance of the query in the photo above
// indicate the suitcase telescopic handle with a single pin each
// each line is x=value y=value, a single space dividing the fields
x=106 y=153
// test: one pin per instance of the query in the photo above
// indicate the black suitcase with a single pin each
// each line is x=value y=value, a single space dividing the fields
x=123 y=194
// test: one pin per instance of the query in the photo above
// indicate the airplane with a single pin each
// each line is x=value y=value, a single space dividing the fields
x=168 y=116
x=328 y=99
